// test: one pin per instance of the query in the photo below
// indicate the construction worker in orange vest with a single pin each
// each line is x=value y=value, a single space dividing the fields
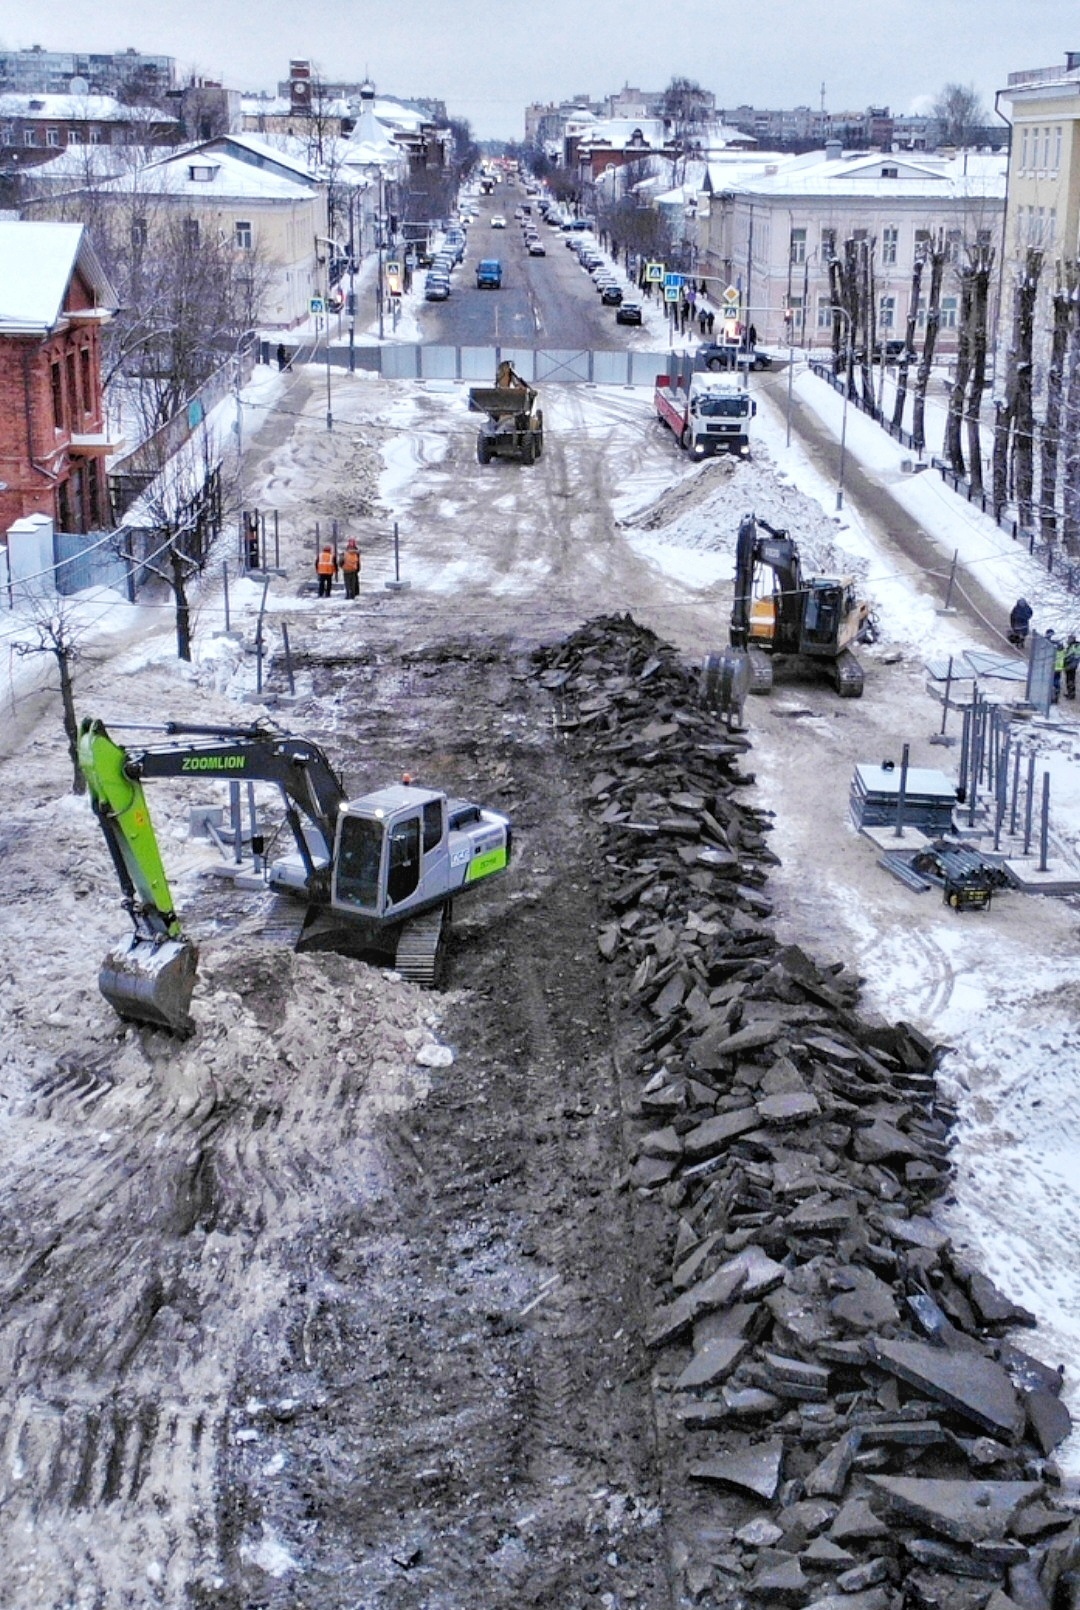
x=350 y=568
x=326 y=568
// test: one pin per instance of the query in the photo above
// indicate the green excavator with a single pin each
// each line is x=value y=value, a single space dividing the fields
x=377 y=874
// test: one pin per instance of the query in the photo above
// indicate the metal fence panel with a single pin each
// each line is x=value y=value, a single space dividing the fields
x=611 y=368
x=563 y=366
x=86 y=560
x=645 y=366
x=400 y=363
x=438 y=363
x=523 y=360
x=477 y=364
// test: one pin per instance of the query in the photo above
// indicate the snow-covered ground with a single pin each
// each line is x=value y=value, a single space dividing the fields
x=999 y=988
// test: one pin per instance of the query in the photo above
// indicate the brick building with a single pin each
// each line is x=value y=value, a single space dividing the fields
x=54 y=299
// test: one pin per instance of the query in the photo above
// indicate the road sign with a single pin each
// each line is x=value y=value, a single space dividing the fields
x=729 y=312
x=316 y=305
x=730 y=297
x=675 y=280
x=671 y=293
x=654 y=273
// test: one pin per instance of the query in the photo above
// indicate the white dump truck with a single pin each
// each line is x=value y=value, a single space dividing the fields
x=710 y=415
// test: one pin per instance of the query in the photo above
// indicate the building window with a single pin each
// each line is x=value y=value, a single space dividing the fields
x=75 y=136
x=922 y=243
x=52 y=137
x=890 y=240
x=828 y=244
x=824 y=313
x=138 y=233
x=95 y=136
x=191 y=232
x=859 y=234
x=947 y=321
x=87 y=380
x=201 y=172
x=1024 y=150
x=7 y=134
x=890 y=173
x=887 y=313
x=798 y=246
x=1057 y=149
x=29 y=137
x=795 y=308
x=57 y=397
x=243 y=235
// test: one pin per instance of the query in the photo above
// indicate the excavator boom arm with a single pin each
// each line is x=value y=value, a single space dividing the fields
x=120 y=806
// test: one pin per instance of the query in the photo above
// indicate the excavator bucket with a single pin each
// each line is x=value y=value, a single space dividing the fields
x=725 y=681
x=148 y=982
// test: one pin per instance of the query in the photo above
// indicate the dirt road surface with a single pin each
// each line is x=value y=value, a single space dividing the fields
x=293 y=1315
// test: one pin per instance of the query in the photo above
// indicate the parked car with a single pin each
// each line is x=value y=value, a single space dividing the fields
x=498 y=222
x=628 y=313
x=611 y=296
x=436 y=289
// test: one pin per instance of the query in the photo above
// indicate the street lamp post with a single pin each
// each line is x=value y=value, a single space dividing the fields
x=332 y=245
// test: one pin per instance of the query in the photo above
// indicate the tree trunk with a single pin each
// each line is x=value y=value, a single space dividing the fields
x=1070 y=525
x=1023 y=417
x=954 y=451
x=1055 y=381
x=836 y=297
x=183 y=608
x=865 y=295
x=63 y=654
x=909 y=345
x=980 y=309
x=933 y=314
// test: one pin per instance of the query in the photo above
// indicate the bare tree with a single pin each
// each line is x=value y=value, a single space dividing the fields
x=982 y=263
x=959 y=114
x=1023 y=421
x=180 y=512
x=936 y=255
x=1070 y=528
x=1064 y=306
x=954 y=450
x=909 y=342
x=53 y=630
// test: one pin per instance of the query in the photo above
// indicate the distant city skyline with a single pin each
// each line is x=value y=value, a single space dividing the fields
x=487 y=66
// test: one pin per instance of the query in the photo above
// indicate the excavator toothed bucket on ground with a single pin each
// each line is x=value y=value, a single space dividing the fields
x=147 y=982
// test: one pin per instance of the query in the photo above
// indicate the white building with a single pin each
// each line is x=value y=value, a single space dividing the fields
x=771 y=234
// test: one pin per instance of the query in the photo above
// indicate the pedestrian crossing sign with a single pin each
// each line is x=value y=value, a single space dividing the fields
x=654 y=273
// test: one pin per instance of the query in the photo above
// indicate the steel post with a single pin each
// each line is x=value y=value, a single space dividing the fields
x=1030 y=804
x=902 y=795
x=1015 y=789
x=1044 y=822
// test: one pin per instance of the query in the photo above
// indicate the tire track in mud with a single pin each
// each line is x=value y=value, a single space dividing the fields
x=151 y=1215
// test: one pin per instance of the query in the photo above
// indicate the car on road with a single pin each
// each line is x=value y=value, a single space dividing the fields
x=628 y=313
x=489 y=274
x=724 y=355
x=436 y=289
x=498 y=222
x=611 y=296
x=537 y=248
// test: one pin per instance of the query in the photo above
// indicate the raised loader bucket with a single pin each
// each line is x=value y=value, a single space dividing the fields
x=147 y=982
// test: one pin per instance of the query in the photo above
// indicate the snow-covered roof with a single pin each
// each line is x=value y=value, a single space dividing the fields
x=37 y=261
x=289 y=154
x=79 y=109
x=620 y=132
x=968 y=175
x=88 y=164
x=203 y=174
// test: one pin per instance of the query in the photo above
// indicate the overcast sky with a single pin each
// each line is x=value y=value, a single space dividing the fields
x=488 y=58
